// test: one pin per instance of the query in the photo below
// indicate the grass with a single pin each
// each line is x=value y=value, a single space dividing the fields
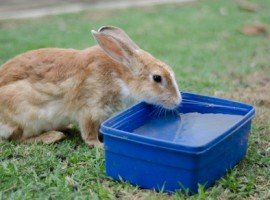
x=209 y=55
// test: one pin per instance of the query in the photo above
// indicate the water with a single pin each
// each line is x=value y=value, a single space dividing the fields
x=190 y=129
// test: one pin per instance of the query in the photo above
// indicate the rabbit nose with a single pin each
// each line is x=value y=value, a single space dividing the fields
x=179 y=99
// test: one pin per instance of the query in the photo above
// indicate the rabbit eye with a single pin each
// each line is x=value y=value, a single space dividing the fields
x=157 y=78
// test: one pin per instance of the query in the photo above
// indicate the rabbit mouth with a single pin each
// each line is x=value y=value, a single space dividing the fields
x=168 y=106
x=171 y=105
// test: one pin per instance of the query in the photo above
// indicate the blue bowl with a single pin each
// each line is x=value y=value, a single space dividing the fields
x=169 y=150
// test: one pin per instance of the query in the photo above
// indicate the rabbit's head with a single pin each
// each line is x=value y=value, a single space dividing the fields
x=151 y=80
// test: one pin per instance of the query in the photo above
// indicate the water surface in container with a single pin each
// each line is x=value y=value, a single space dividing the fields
x=189 y=129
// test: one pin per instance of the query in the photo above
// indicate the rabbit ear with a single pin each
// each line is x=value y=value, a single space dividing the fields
x=118 y=33
x=118 y=47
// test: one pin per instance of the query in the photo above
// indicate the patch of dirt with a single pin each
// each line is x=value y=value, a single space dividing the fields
x=259 y=96
x=256 y=91
x=254 y=29
x=249 y=6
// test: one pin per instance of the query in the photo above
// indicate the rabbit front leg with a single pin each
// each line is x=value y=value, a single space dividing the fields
x=89 y=131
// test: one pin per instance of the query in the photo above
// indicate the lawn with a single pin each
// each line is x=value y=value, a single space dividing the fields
x=203 y=44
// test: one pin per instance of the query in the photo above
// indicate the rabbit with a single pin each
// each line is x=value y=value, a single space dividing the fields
x=43 y=91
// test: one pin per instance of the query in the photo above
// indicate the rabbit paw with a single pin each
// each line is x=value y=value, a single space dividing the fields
x=94 y=143
x=47 y=138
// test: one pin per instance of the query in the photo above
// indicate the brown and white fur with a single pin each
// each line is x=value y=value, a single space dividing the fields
x=43 y=91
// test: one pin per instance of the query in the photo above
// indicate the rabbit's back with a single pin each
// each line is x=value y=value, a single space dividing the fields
x=49 y=64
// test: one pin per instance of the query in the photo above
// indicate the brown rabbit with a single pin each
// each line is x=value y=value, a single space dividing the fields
x=45 y=90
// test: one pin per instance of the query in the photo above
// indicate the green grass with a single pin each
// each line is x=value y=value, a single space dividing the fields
x=200 y=41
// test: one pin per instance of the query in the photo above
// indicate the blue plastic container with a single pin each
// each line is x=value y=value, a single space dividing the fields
x=142 y=148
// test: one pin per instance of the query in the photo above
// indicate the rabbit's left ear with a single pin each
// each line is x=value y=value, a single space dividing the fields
x=118 y=33
x=116 y=44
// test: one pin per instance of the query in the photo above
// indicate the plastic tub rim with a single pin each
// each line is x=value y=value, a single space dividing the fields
x=121 y=134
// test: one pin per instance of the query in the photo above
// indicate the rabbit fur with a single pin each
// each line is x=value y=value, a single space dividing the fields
x=48 y=89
